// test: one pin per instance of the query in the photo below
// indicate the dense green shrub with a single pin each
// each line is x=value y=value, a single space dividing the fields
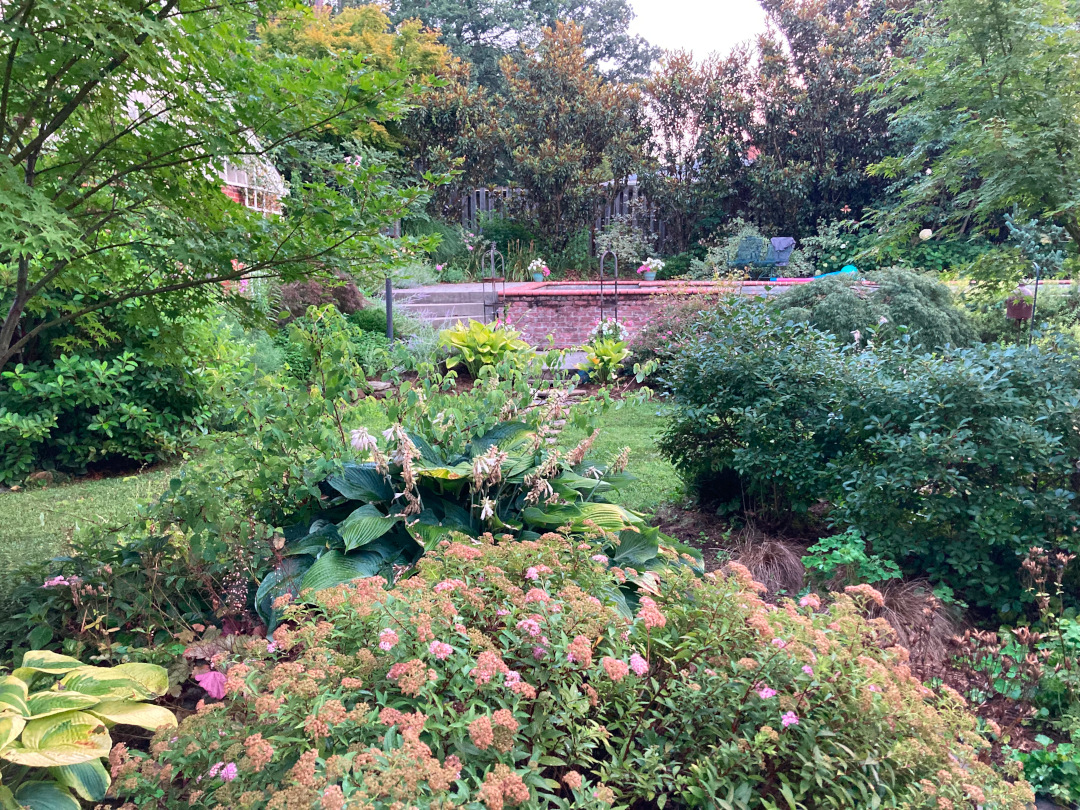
x=505 y=675
x=881 y=303
x=951 y=465
x=296 y=297
x=373 y=319
x=138 y=403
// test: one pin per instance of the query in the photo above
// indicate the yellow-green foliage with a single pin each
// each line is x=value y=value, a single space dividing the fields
x=55 y=713
x=479 y=344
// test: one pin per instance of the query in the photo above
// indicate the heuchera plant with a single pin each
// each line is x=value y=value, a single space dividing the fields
x=503 y=675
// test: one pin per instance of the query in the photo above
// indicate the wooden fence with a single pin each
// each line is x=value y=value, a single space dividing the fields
x=629 y=201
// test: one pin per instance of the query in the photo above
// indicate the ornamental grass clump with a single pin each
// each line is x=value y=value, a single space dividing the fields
x=504 y=675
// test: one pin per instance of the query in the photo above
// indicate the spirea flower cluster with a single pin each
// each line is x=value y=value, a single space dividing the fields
x=536 y=674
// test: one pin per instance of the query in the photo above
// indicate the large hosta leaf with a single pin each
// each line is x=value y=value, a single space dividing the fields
x=608 y=516
x=105 y=682
x=505 y=435
x=10 y=729
x=284 y=579
x=42 y=704
x=333 y=568
x=45 y=796
x=89 y=779
x=45 y=661
x=636 y=549
x=134 y=713
x=362 y=482
x=62 y=739
x=458 y=472
x=13 y=693
x=364 y=525
x=323 y=535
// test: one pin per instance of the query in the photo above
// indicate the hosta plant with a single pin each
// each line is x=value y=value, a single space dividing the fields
x=604 y=359
x=382 y=514
x=479 y=344
x=55 y=715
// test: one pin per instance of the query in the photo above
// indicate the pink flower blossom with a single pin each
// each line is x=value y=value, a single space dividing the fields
x=530 y=626
x=639 y=665
x=766 y=692
x=512 y=677
x=779 y=642
x=537 y=595
x=809 y=670
x=502 y=612
x=789 y=719
x=532 y=573
x=449 y=585
x=440 y=650
x=387 y=639
x=874 y=688
x=615 y=669
x=213 y=682
x=539 y=652
x=228 y=773
x=600 y=558
x=811 y=600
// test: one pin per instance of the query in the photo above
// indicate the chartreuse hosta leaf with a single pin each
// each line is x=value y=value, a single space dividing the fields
x=45 y=661
x=10 y=729
x=133 y=713
x=127 y=681
x=45 y=796
x=13 y=696
x=89 y=779
x=42 y=704
x=60 y=739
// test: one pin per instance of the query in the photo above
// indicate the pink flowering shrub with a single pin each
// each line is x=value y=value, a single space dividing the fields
x=690 y=699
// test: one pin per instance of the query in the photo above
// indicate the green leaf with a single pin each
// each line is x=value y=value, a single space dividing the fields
x=62 y=739
x=134 y=713
x=89 y=779
x=636 y=549
x=106 y=682
x=45 y=796
x=333 y=568
x=364 y=525
x=42 y=704
x=13 y=693
x=10 y=729
x=284 y=579
x=362 y=482
x=607 y=516
x=45 y=661
x=505 y=435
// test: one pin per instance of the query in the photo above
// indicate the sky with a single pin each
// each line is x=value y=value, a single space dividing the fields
x=701 y=26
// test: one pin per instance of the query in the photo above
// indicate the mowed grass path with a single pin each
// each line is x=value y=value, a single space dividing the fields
x=37 y=524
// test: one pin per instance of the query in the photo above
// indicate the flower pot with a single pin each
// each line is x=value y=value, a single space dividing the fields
x=650 y=276
x=538 y=277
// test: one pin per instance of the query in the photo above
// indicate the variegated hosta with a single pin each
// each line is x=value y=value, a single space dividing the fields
x=382 y=515
x=55 y=714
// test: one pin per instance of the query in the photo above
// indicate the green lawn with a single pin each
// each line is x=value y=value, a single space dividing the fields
x=36 y=524
x=636 y=427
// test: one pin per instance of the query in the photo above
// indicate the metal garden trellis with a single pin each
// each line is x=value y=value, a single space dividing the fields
x=603 y=258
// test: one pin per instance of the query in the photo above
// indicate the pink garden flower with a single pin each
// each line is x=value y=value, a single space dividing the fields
x=809 y=670
x=615 y=669
x=387 y=639
x=789 y=719
x=600 y=558
x=537 y=595
x=779 y=642
x=766 y=692
x=440 y=649
x=639 y=665
x=530 y=626
x=228 y=773
x=811 y=600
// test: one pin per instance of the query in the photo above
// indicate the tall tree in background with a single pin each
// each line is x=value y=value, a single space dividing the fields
x=116 y=119
x=568 y=131
x=699 y=118
x=815 y=134
x=988 y=95
x=482 y=33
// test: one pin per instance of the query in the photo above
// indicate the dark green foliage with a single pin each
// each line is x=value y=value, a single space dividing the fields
x=451 y=246
x=373 y=319
x=919 y=304
x=508 y=234
x=951 y=465
x=137 y=401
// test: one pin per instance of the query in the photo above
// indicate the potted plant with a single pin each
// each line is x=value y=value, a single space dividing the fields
x=539 y=270
x=650 y=268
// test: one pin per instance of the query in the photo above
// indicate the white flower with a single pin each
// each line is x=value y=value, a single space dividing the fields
x=882 y=320
x=488 y=508
x=361 y=440
x=857 y=335
x=925 y=234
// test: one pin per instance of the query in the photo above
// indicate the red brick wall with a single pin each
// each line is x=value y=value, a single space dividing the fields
x=570 y=318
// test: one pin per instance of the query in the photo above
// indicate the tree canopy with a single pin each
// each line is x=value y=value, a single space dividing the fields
x=116 y=120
